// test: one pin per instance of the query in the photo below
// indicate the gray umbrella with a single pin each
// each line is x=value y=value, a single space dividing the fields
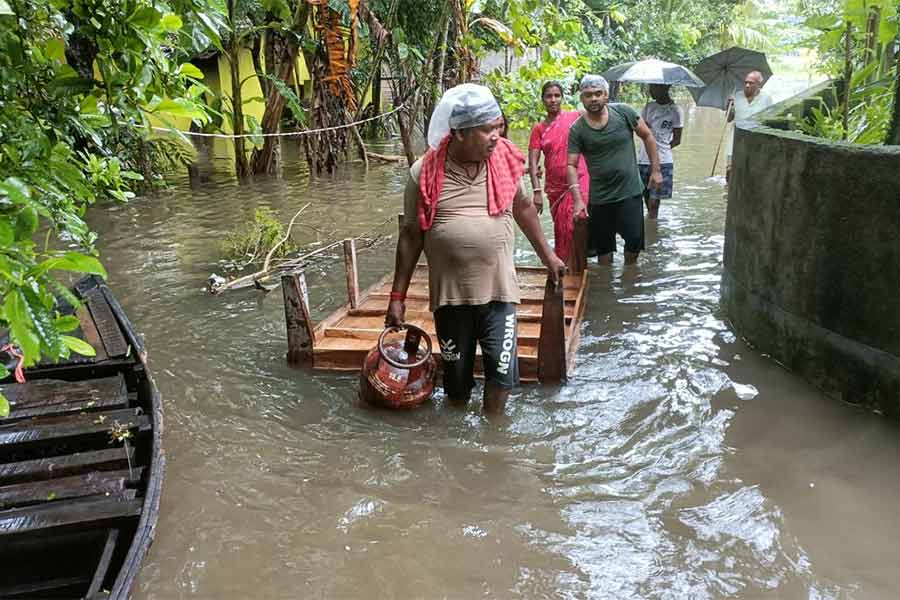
x=724 y=73
x=653 y=71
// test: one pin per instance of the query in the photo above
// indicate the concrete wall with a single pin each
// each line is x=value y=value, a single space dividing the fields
x=812 y=258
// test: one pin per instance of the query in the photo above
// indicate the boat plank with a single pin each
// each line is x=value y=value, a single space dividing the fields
x=52 y=396
x=79 y=511
x=103 y=564
x=65 y=465
x=90 y=335
x=42 y=589
x=40 y=429
x=110 y=333
x=60 y=488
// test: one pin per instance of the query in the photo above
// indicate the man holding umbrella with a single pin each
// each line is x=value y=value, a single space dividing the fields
x=604 y=135
x=752 y=101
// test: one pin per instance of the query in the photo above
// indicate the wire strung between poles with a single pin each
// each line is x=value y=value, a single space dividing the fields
x=231 y=136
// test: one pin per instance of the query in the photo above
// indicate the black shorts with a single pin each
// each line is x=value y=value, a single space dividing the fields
x=625 y=218
x=493 y=325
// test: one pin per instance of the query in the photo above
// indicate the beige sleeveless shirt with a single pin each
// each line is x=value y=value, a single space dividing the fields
x=469 y=252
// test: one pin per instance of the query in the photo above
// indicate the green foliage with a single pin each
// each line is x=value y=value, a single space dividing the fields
x=874 y=26
x=250 y=242
x=77 y=80
x=520 y=93
x=869 y=117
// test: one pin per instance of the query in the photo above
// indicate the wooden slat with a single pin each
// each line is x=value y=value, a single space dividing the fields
x=552 y=346
x=80 y=511
x=41 y=429
x=90 y=335
x=44 y=588
x=50 y=397
x=418 y=308
x=103 y=564
x=67 y=464
x=107 y=325
x=369 y=328
x=527 y=295
x=61 y=488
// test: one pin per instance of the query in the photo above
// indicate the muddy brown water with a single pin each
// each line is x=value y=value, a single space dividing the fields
x=677 y=463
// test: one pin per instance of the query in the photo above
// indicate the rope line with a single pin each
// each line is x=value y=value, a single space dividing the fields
x=232 y=136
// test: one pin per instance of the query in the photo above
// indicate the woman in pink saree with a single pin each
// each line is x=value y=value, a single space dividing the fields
x=550 y=137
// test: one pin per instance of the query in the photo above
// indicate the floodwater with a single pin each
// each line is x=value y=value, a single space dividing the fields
x=677 y=462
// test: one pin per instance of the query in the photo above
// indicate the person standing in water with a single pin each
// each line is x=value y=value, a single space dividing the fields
x=604 y=135
x=550 y=137
x=665 y=120
x=460 y=203
x=744 y=106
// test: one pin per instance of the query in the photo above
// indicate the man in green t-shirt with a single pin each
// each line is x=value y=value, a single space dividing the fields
x=604 y=136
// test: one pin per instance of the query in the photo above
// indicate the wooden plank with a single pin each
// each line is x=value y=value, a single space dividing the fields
x=552 y=344
x=297 y=318
x=577 y=262
x=80 y=511
x=107 y=325
x=352 y=272
x=67 y=464
x=103 y=564
x=91 y=335
x=341 y=312
x=51 y=396
x=369 y=328
x=418 y=309
x=44 y=429
x=527 y=295
x=43 y=588
x=527 y=282
x=61 y=488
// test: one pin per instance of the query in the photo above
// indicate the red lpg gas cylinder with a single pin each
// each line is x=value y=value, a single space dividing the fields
x=398 y=374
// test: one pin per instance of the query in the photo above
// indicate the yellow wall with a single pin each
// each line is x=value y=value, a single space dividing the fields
x=254 y=103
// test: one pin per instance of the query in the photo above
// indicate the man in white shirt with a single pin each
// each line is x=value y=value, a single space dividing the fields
x=666 y=121
x=744 y=106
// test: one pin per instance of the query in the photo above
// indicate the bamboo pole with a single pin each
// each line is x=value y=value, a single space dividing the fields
x=721 y=138
x=352 y=272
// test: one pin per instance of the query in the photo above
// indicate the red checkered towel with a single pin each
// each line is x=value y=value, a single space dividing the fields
x=506 y=166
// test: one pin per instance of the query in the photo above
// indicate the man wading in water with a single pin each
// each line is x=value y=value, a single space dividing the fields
x=459 y=205
x=604 y=136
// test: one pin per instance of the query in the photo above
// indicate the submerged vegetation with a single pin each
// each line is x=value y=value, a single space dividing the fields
x=250 y=242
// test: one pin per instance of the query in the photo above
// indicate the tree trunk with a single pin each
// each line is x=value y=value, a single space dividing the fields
x=237 y=112
x=257 y=63
x=263 y=158
x=848 y=75
x=281 y=55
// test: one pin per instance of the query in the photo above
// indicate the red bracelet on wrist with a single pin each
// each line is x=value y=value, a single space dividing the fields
x=398 y=296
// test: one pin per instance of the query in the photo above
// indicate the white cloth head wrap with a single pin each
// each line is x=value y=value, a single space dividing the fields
x=593 y=81
x=461 y=107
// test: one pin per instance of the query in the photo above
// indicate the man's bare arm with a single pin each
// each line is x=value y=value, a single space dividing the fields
x=646 y=136
x=643 y=132
x=579 y=205
x=676 y=137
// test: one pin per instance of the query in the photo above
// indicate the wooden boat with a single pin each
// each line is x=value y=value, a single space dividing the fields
x=549 y=319
x=78 y=505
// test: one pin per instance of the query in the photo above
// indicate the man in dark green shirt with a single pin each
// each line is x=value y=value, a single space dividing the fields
x=604 y=135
